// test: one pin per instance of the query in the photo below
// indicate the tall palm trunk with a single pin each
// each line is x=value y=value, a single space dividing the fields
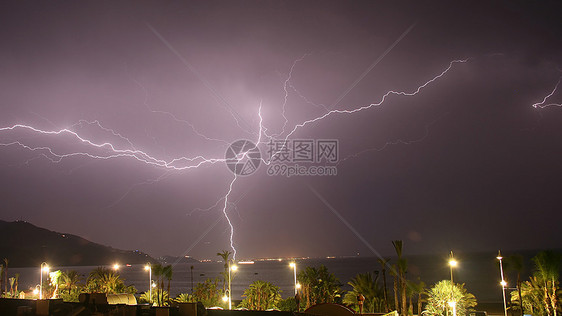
x=519 y=290
x=553 y=300
x=169 y=291
x=419 y=303
x=384 y=291
x=410 y=305
x=383 y=263
x=404 y=297
x=396 y=302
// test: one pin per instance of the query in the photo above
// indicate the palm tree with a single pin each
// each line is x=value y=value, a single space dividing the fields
x=208 y=292
x=318 y=286
x=547 y=267
x=183 y=298
x=261 y=296
x=191 y=271
x=419 y=289
x=167 y=271
x=12 y=281
x=225 y=255
x=515 y=263
x=395 y=275
x=157 y=272
x=367 y=285
x=384 y=262
x=104 y=280
x=440 y=294
x=70 y=279
x=17 y=277
x=402 y=265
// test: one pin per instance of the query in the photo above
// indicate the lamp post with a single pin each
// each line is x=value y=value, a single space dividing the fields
x=231 y=267
x=452 y=263
x=503 y=283
x=149 y=268
x=44 y=268
x=294 y=266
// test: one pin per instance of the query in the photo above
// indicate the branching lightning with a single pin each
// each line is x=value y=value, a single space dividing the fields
x=110 y=150
x=544 y=103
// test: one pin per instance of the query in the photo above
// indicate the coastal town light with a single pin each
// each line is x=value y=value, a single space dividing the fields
x=44 y=268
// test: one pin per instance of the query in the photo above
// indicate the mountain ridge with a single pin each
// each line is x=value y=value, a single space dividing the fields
x=27 y=245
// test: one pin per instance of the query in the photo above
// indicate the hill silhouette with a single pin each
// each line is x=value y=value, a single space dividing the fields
x=26 y=245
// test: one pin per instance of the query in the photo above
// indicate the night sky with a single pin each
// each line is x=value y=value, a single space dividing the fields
x=466 y=164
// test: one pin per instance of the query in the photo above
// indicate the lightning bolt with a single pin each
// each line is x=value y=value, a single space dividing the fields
x=543 y=104
x=110 y=150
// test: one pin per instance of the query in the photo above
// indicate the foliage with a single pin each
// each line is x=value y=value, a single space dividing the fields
x=541 y=293
x=515 y=263
x=104 y=280
x=383 y=262
x=419 y=289
x=364 y=284
x=161 y=273
x=399 y=273
x=184 y=298
x=225 y=255
x=144 y=297
x=288 y=305
x=208 y=293
x=55 y=280
x=70 y=281
x=261 y=296
x=318 y=286
x=440 y=294
x=71 y=296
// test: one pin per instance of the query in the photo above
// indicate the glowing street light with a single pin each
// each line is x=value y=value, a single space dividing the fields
x=116 y=267
x=294 y=266
x=148 y=268
x=44 y=268
x=453 y=305
x=452 y=263
x=231 y=267
x=502 y=283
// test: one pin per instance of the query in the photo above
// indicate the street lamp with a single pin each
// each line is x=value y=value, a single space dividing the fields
x=148 y=267
x=231 y=267
x=452 y=263
x=116 y=267
x=44 y=268
x=502 y=283
x=294 y=266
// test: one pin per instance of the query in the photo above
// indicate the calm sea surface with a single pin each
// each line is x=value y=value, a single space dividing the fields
x=479 y=272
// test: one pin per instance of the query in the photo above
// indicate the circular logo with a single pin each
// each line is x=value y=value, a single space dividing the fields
x=243 y=157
